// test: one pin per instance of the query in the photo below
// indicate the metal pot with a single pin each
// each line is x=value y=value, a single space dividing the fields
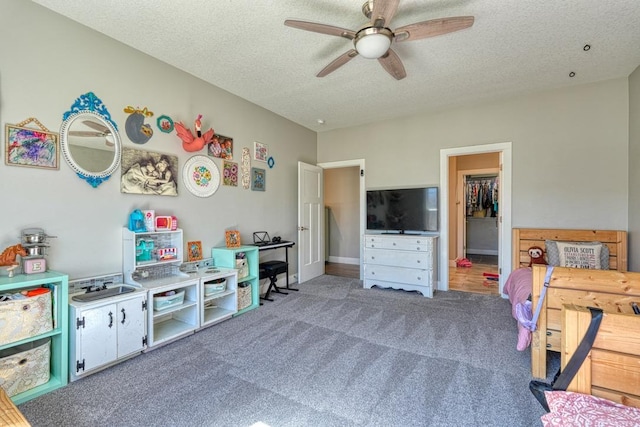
x=36 y=250
x=34 y=235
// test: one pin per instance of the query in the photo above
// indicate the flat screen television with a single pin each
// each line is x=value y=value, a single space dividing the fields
x=403 y=210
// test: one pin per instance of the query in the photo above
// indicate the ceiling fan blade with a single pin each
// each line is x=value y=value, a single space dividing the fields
x=392 y=63
x=321 y=28
x=86 y=133
x=383 y=11
x=432 y=28
x=338 y=62
x=96 y=126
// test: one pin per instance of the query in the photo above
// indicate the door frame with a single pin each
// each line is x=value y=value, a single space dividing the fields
x=363 y=195
x=504 y=244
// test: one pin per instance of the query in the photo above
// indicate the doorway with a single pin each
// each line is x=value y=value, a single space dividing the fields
x=477 y=208
x=344 y=200
x=449 y=236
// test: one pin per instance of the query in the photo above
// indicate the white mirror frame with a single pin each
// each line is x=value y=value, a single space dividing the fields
x=89 y=106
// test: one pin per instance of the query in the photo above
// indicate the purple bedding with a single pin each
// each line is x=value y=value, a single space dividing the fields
x=518 y=287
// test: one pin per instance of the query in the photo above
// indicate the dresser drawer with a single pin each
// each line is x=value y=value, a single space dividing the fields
x=411 y=276
x=410 y=259
x=409 y=243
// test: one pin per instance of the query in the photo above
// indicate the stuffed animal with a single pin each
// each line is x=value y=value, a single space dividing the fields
x=537 y=256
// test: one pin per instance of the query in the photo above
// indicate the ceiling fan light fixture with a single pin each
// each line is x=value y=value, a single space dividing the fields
x=373 y=42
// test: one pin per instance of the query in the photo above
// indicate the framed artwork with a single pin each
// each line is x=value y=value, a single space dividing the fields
x=146 y=172
x=229 y=173
x=220 y=146
x=194 y=251
x=258 y=179
x=260 y=151
x=232 y=238
x=165 y=124
x=36 y=148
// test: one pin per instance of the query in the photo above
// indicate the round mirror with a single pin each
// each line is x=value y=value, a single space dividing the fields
x=90 y=145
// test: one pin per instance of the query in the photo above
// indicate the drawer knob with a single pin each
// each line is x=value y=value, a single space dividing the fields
x=373 y=273
x=548 y=333
x=419 y=278
x=418 y=261
x=394 y=243
x=548 y=345
x=373 y=246
x=373 y=257
x=418 y=248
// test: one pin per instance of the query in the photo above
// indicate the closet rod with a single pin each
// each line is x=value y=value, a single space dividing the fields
x=481 y=176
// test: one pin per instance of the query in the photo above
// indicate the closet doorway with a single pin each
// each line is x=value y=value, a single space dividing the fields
x=473 y=160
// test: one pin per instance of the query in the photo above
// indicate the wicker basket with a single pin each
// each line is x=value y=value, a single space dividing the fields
x=244 y=297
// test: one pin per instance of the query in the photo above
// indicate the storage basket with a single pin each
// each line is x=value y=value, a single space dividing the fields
x=242 y=267
x=25 y=366
x=24 y=318
x=244 y=297
x=164 y=302
x=212 y=287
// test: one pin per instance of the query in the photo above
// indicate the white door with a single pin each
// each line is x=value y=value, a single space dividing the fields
x=310 y=222
x=131 y=325
x=98 y=337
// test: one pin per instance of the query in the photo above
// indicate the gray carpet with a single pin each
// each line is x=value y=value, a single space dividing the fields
x=332 y=354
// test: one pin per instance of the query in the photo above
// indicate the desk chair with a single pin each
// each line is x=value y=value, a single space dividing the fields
x=270 y=270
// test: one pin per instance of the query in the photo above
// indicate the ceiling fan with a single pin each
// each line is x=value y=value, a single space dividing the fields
x=374 y=39
x=100 y=131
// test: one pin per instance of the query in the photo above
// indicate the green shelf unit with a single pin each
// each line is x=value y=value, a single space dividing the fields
x=59 y=335
x=226 y=257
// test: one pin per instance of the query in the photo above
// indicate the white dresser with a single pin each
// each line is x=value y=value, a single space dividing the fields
x=401 y=261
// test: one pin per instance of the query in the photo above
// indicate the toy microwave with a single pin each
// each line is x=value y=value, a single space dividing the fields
x=166 y=223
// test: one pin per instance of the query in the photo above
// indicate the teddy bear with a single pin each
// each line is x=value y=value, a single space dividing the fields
x=537 y=256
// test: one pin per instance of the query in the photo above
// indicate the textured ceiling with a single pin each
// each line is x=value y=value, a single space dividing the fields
x=514 y=47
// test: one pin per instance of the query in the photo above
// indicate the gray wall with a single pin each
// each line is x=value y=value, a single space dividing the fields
x=570 y=149
x=46 y=62
x=634 y=170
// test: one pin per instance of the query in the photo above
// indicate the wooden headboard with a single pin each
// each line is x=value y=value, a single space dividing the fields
x=524 y=238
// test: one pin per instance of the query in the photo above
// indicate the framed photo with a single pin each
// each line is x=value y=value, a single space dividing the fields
x=146 y=172
x=221 y=146
x=194 y=251
x=258 y=179
x=232 y=238
x=260 y=151
x=229 y=173
x=31 y=147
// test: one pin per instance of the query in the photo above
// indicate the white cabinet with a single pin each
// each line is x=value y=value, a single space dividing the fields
x=400 y=261
x=176 y=318
x=152 y=260
x=106 y=331
x=217 y=306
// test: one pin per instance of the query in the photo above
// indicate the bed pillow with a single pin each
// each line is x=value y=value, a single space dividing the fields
x=593 y=255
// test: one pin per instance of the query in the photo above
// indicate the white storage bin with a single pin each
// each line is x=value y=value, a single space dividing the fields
x=162 y=303
x=25 y=318
x=213 y=288
x=26 y=366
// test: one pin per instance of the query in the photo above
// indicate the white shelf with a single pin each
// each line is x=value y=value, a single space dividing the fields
x=217 y=295
x=160 y=313
x=216 y=314
x=170 y=329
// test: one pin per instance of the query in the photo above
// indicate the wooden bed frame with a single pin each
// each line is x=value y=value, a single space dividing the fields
x=606 y=289
x=612 y=369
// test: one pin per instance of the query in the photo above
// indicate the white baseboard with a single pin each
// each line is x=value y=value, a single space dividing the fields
x=482 y=251
x=343 y=260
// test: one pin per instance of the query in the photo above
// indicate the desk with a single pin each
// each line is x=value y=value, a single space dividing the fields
x=281 y=244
